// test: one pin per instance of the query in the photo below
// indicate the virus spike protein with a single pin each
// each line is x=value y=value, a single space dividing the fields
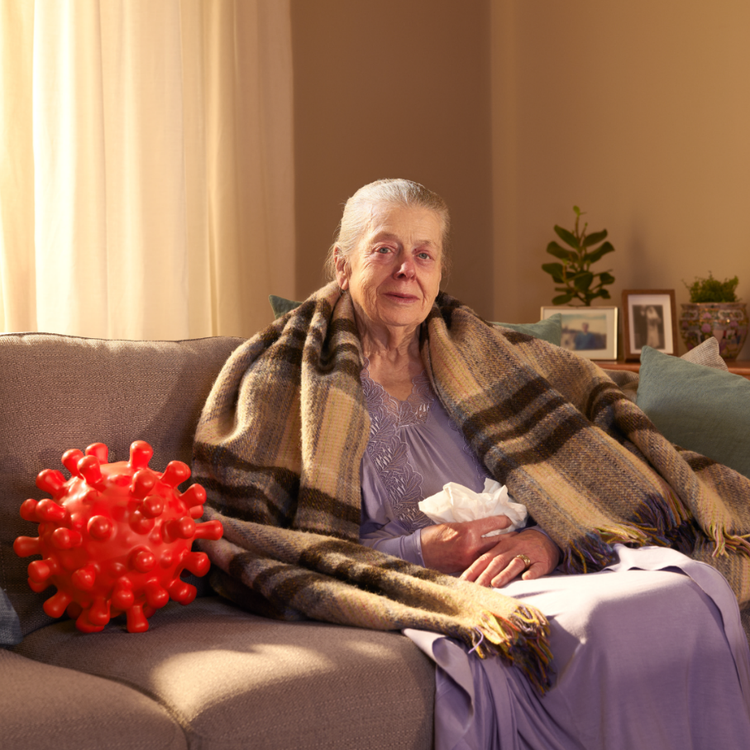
x=115 y=537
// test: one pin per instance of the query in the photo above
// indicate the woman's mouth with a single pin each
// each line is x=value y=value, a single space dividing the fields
x=401 y=297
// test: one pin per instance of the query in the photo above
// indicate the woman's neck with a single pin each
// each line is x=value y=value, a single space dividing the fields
x=394 y=360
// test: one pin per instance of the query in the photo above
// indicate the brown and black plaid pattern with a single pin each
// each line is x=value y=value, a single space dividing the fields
x=281 y=438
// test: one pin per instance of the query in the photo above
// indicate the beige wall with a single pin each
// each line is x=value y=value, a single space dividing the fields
x=639 y=113
x=515 y=110
x=394 y=88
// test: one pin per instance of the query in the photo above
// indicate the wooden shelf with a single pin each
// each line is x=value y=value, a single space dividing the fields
x=736 y=366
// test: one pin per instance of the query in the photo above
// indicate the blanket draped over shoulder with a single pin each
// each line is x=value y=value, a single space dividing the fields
x=279 y=446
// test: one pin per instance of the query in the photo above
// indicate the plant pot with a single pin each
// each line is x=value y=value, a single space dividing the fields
x=726 y=321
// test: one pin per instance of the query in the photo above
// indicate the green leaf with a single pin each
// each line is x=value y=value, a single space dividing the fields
x=582 y=281
x=595 y=238
x=595 y=255
x=576 y=282
x=560 y=252
x=555 y=270
x=563 y=299
x=604 y=294
x=567 y=237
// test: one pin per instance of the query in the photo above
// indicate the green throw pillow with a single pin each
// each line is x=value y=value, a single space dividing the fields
x=281 y=306
x=549 y=329
x=702 y=409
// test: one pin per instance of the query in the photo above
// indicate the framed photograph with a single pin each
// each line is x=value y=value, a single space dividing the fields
x=649 y=319
x=588 y=331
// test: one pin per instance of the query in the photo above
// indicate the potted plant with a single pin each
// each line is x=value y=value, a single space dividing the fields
x=577 y=282
x=714 y=310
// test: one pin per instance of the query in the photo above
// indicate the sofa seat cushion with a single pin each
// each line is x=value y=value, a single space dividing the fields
x=45 y=706
x=236 y=680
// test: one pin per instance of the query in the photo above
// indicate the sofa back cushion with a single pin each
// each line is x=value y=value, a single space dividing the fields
x=59 y=392
x=702 y=409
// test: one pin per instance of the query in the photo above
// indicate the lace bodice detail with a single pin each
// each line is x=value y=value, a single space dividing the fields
x=382 y=406
x=388 y=449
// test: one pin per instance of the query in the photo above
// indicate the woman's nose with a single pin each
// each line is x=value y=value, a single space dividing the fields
x=405 y=268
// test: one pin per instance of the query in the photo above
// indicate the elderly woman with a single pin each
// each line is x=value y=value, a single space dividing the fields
x=325 y=431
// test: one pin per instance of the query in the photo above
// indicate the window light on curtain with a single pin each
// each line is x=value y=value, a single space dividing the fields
x=146 y=166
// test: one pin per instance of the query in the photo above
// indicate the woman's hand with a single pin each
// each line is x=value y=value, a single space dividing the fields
x=501 y=564
x=453 y=547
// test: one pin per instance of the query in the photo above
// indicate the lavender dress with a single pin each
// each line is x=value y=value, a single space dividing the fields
x=649 y=653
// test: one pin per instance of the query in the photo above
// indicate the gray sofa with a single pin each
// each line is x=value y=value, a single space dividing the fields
x=207 y=675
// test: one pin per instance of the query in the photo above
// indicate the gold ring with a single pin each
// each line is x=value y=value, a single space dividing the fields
x=525 y=560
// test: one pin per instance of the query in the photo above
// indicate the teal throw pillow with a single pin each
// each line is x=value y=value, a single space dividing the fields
x=10 y=626
x=549 y=329
x=702 y=409
x=281 y=306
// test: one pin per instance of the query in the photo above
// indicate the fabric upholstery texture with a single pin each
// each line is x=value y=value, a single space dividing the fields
x=549 y=329
x=61 y=392
x=10 y=627
x=706 y=353
x=281 y=305
x=53 y=707
x=702 y=409
x=205 y=676
x=231 y=679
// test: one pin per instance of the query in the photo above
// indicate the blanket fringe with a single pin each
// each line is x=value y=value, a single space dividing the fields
x=521 y=640
x=661 y=520
x=596 y=550
x=725 y=542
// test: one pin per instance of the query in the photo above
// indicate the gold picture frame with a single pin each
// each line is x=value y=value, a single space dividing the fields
x=590 y=332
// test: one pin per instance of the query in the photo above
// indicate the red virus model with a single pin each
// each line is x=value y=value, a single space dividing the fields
x=115 y=537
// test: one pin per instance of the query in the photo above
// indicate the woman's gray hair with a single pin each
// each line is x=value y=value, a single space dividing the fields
x=357 y=213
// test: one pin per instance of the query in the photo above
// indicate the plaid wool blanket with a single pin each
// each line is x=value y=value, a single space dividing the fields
x=280 y=441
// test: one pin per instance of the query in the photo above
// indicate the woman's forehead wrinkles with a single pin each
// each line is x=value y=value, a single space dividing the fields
x=385 y=235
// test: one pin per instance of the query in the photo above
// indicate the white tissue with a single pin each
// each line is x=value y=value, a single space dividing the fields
x=456 y=503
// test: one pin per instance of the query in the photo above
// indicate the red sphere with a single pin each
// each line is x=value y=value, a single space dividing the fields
x=115 y=537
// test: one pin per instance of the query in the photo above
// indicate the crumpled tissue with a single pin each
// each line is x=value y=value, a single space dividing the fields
x=456 y=503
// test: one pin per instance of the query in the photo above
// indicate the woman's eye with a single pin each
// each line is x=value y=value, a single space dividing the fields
x=382 y=250
x=424 y=256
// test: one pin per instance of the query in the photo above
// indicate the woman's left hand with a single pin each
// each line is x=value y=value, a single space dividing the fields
x=505 y=561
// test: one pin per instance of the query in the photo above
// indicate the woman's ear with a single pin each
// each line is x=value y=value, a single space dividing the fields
x=342 y=269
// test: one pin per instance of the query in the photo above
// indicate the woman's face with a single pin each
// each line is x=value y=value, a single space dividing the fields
x=393 y=274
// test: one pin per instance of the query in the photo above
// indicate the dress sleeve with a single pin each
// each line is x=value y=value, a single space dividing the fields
x=393 y=538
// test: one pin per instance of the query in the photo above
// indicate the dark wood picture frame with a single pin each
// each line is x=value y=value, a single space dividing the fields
x=649 y=319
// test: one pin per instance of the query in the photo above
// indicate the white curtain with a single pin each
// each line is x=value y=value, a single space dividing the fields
x=146 y=166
